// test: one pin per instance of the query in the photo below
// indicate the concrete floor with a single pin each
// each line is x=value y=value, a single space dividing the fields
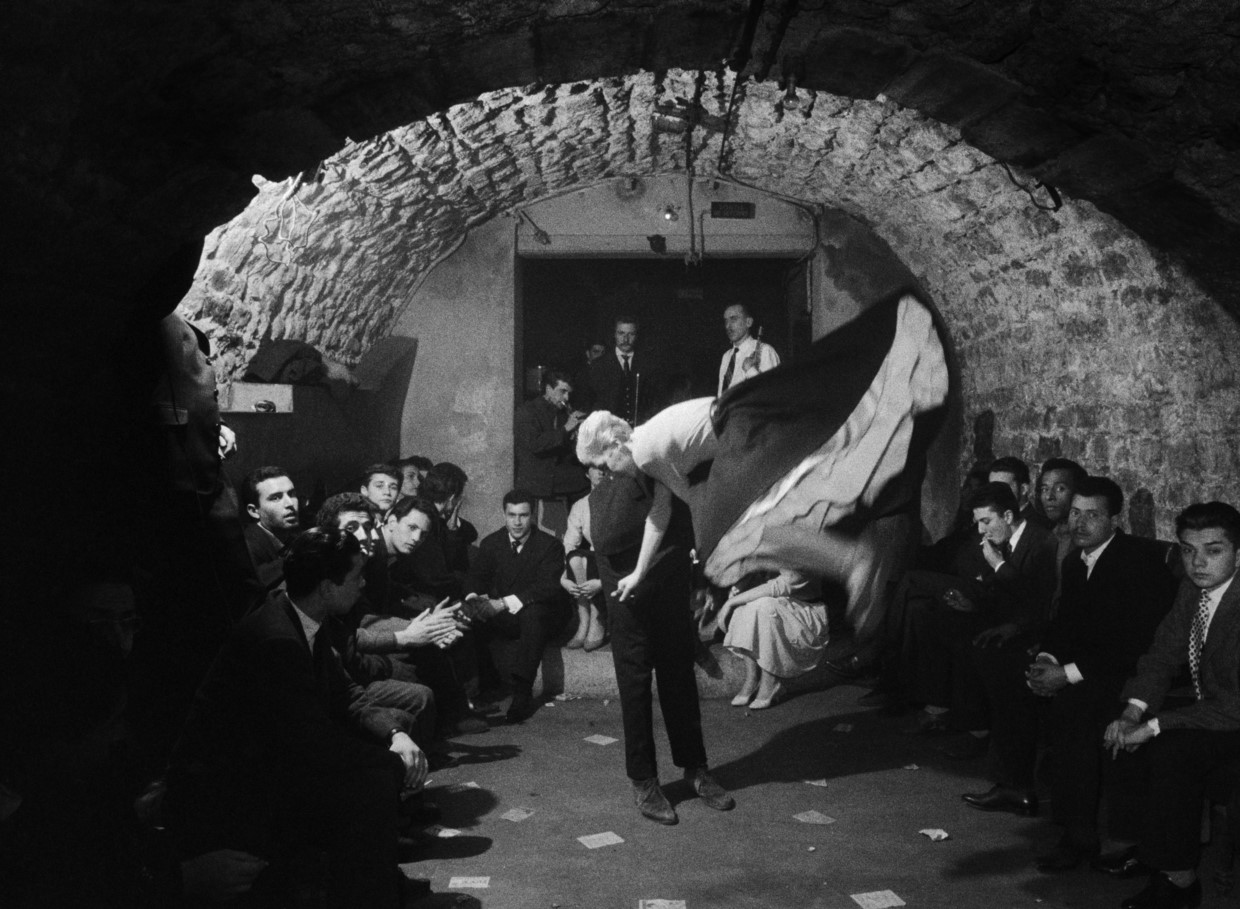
x=757 y=855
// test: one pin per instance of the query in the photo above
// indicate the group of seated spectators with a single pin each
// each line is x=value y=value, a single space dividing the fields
x=1093 y=665
x=1084 y=661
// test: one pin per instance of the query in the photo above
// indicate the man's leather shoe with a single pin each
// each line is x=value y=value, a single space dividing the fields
x=651 y=801
x=413 y=890
x=850 y=667
x=1001 y=798
x=1065 y=856
x=1162 y=894
x=521 y=708
x=708 y=790
x=928 y=724
x=1123 y=863
x=471 y=725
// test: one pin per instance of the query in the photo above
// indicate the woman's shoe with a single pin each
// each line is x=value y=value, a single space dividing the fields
x=743 y=698
x=578 y=640
x=777 y=695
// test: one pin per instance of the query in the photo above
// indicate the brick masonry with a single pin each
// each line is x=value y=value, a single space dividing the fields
x=1071 y=332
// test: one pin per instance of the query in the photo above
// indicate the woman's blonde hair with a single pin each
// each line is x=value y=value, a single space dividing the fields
x=598 y=434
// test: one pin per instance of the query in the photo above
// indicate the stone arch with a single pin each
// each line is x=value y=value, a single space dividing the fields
x=1061 y=317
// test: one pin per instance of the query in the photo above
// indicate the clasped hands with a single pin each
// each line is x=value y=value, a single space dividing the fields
x=584 y=591
x=1045 y=677
x=1127 y=733
x=440 y=625
x=413 y=758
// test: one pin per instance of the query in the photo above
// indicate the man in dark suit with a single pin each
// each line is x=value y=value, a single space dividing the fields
x=513 y=591
x=271 y=501
x=1015 y=473
x=1115 y=591
x=545 y=435
x=1001 y=601
x=285 y=758
x=1189 y=740
x=623 y=381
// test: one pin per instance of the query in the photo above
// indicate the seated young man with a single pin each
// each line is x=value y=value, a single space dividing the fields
x=514 y=592
x=438 y=567
x=371 y=643
x=380 y=487
x=1185 y=741
x=283 y=757
x=270 y=499
x=1002 y=600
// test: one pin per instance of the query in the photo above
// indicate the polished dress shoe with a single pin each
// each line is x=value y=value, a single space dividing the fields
x=1002 y=798
x=1123 y=863
x=850 y=667
x=708 y=790
x=1065 y=856
x=929 y=724
x=652 y=803
x=521 y=708
x=1162 y=894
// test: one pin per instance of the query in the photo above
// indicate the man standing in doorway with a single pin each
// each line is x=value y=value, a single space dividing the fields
x=748 y=355
x=546 y=430
x=623 y=381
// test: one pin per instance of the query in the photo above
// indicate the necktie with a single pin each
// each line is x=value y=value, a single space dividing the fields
x=516 y=547
x=727 y=376
x=1197 y=639
x=625 y=366
x=1005 y=550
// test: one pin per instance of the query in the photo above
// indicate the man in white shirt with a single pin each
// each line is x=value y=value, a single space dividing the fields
x=1186 y=741
x=748 y=356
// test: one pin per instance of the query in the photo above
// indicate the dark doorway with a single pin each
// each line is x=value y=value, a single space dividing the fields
x=567 y=304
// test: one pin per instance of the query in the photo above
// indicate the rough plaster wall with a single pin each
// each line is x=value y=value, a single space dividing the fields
x=1076 y=301
x=461 y=398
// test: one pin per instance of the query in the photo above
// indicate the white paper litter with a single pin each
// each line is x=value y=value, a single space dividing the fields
x=469 y=883
x=661 y=904
x=814 y=817
x=442 y=832
x=935 y=834
x=600 y=740
x=517 y=814
x=822 y=783
x=595 y=840
x=878 y=899
x=843 y=727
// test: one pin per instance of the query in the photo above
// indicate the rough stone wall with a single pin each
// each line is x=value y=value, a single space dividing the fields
x=1068 y=329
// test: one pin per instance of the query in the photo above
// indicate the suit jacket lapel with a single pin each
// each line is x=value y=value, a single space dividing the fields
x=1221 y=636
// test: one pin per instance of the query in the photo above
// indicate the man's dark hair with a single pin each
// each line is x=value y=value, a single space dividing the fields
x=249 y=488
x=455 y=475
x=438 y=486
x=553 y=377
x=320 y=554
x=1015 y=466
x=374 y=470
x=518 y=497
x=401 y=509
x=418 y=461
x=1094 y=487
x=626 y=319
x=742 y=307
x=1076 y=470
x=1208 y=515
x=997 y=496
x=330 y=510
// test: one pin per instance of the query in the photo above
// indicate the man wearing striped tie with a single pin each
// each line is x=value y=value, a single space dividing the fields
x=1187 y=740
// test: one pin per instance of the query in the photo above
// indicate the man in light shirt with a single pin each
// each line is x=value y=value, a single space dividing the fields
x=748 y=356
x=1186 y=740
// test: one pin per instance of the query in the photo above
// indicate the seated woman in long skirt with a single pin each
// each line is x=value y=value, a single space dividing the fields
x=779 y=628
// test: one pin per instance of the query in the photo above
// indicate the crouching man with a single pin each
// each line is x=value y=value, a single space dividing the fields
x=284 y=758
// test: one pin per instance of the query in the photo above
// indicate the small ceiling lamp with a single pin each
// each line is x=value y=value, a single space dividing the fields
x=790 y=100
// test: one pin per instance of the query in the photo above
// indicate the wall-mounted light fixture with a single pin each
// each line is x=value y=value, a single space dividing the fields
x=670 y=212
x=790 y=99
